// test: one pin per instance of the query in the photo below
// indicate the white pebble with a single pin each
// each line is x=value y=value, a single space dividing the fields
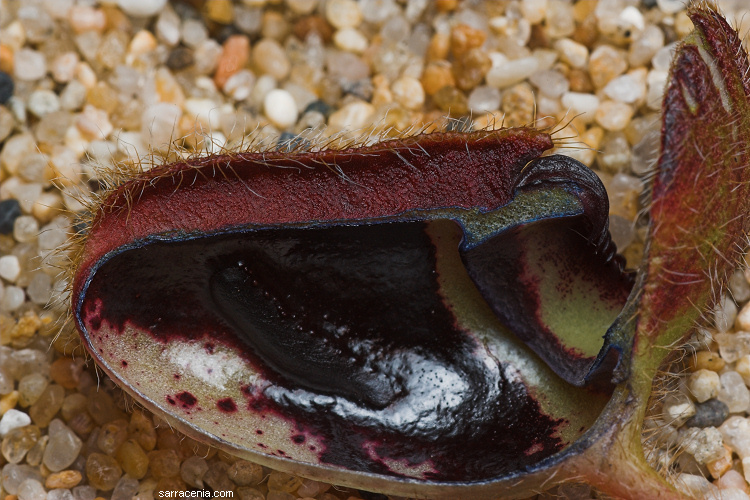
x=280 y=108
x=732 y=346
x=678 y=408
x=214 y=143
x=15 y=150
x=631 y=20
x=141 y=8
x=352 y=117
x=704 y=385
x=627 y=88
x=408 y=92
x=671 y=6
x=350 y=40
x=613 y=115
x=705 y=445
x=14 y=474
x=629 y=23
x=25 y=229
x=205 y=111
x=34 y=169
x=10 y=268
x=239 y=85
x=347 y=66
x=512 y=72
x=126 y=488
x=13 y=298
x=131 y=143
x=740 y=289
x=695 y=486
x=736 y=433
x=621 y=230
x=85 y=18
x=13 y=419
x=730 y=480
x=572 y=52
x=73 y=96
x=729 y=494
x=168 y=27
x=29 y=65
x=42 y=102
x=550 y=82
x=27 y=195
x=194 y=33
x=60 y=295
x=560 y=20
x=547 y=106
x=60 y=494
x=546 y=58
x=158 y=123
x=725 y=314
x=63 y=67
x=582 y=105
x=94 y=123
x=645 y=47
x=207 y=56
x=663 y=57
x=734 y=392
x=85 y=492
x=377 y=11
x=40 y=288
x=270 y=58
x=31 y=489
x=18 y=108
x=343 y=13
x=484 y=98
x=14 y=34
x=54 y=235
x=534 y=10
x=63 y=446
x=263 y=85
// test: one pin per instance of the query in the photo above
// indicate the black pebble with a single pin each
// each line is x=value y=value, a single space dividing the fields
x=320 y=107
x=359 y=88
x=289 y=142
x=712 y=413
x=6 y=87
x=180 y=58
x=81 y=224
x=9 y=212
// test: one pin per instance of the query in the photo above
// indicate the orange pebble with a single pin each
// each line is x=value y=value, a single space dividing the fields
x=446 y=5
x=63 y=479
x=234 y=57
x=721 y=465
x=6 y=59
x=437 y=75
x=465 y=38
x=439 y=47
x=706 y=360
x=66 y=372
